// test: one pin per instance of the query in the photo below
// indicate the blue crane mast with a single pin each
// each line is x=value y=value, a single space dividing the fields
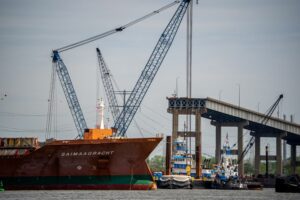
x=106 y=77
x=108 y=86
x=154 y=62
x=64 y=76
x=70 y=93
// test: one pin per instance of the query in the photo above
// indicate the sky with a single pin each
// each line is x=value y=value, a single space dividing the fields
x=251 y=46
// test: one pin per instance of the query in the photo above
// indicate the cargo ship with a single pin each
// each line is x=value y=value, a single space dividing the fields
x=78 y=164
x=97 y=161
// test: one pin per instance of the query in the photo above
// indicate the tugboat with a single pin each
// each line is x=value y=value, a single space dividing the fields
x=223 y=175
x=182 y=169
x=226 y=172
x=182 y=161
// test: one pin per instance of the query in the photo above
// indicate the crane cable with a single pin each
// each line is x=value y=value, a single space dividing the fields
x=119 y=29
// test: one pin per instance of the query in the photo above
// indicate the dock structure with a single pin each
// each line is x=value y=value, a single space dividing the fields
x=223 y=114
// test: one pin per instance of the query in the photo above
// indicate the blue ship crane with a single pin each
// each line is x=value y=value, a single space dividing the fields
x=64 y=76
x=108 y=86
x=154 y=62
x=70 y=93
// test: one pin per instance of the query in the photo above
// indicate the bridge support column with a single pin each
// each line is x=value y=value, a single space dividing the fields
x=293 y=158
x=218 y=143
x=278 y=156
x=257 y=156
x=284 y=156
x=174 y=131
x=240 y=149
x=198 y=148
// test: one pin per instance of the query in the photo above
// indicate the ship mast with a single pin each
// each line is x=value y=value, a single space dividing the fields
x=189 y=69
x=100 y=114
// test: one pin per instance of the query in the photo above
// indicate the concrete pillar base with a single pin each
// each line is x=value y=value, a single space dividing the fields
x=257 y=155
x=293 y=158
x=240 y=150
x=198 y=143
x=278 y=156
x=174 y=131
x=218 y=143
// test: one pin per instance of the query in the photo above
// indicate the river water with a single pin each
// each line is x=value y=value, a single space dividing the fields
x=267 y=193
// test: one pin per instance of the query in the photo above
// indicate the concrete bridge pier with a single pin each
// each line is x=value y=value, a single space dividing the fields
x=198 y=142
x=257 y=155
x=240 y=148
x=294 y=162
x=175 y=115
x=293 y=158
x=196 y=134
x=188 y=106
x=218 y=143
x=277 y=157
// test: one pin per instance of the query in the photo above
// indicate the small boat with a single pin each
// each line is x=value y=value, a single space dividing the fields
x=254 y=185
x=288 y=184
x=175 y=182
x=183 y=162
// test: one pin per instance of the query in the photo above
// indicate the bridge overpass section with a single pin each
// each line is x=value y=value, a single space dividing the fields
x=224 y=114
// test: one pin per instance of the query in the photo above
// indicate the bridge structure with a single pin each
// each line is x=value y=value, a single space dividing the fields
x=224 y=114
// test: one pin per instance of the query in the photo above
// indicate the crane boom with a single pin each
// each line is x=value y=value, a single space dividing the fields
x=70 y=94
x=64 y=76
x=264 y=121
x=108 y=86
x=154 y=62
x=116 y=30
x=106 y=77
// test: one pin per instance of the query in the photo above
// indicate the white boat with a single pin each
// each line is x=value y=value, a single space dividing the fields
x=175 y=182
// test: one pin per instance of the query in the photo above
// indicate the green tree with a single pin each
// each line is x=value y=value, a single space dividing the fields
x=156 y=163
x=272 y=167
x=287 y=168
x=248 y=168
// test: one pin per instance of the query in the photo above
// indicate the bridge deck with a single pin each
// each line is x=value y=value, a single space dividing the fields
x=223 y=112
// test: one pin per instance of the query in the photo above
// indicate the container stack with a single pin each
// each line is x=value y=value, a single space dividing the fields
x=17 y=146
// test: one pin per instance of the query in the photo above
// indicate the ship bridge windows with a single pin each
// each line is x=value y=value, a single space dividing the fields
x=179 y=159
x=179 y=166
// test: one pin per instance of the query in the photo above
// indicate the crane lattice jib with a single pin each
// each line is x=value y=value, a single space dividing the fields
x=108 y=86
x=150 y=70
x=264 y=121
x=70 y=94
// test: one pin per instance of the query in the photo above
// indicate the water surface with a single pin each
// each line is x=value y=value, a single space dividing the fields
x=267 y=193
